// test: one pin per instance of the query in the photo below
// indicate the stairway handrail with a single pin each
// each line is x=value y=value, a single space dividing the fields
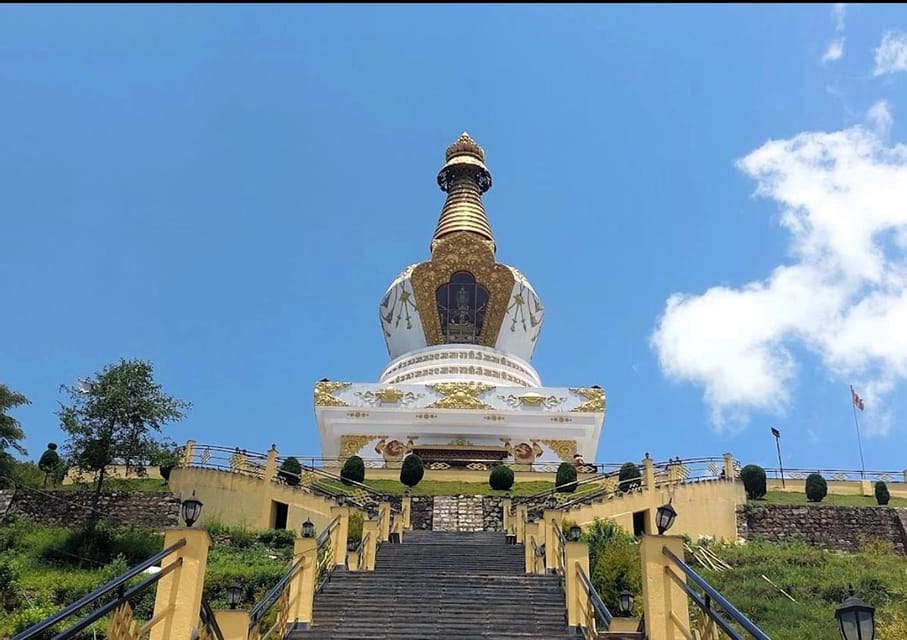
x=712 y=594
x=257 y=612
x=550 y=492
x=597 y=603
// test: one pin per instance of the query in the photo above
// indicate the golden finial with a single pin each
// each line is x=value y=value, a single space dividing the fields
x=464 y=177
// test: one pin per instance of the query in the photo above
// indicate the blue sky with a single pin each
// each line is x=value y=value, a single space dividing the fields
x=708 y=199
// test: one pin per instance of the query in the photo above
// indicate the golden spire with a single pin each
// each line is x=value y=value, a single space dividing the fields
x=464 y=178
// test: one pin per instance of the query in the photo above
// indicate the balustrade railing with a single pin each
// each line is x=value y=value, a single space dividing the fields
x=837 y=475
x=592 y=607
x=706 y=601
x=262 y=623
x=112 y=598
x=209 y=627
x=560 y=552
x=325 y=546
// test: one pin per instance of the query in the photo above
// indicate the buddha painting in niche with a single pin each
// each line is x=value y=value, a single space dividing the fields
x=461 y=308
x=393 y=450
x=524 y=453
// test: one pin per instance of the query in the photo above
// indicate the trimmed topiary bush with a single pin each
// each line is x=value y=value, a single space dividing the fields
x=412 y=470
x=565 y=482
x=290 y=471
x=753 y=477
x=816 y=487
x=353 y=470
x=882 y=495
x=501 y=478
x=630 y=477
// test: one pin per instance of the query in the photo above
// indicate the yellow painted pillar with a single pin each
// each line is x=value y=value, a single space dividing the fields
x=340 y=533
x=728 y=466
x=384 y=519
x=505 y=506
x=271 y=465
x=532 y=532
x=370 y=549
x=552 y=543
x=520 y=523
x=233 y=623
x=624 y=625
x=181 y=590
x=189 y=453
x=302 y=586
x=575 y=553
x=665 y=602
x=407 y=512
x=648 y=474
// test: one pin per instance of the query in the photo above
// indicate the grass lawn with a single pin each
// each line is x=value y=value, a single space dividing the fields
x=451 y=488
x=783 y=497
x=115 y=484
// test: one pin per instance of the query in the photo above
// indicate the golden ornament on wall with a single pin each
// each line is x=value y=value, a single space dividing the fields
x=324 y=394
x=533 y=400
x=352 y=445
x=563 y=449
x=595 y=400
x=460 y=395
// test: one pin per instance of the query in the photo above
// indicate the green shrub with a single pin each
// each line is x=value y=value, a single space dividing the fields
x=613 y=561
x=753 y=477
x=49 y=462
x=9 y=582
x=629 y=477
x=501 y=477
x=277 y=538
x=882 y=495
x=92 y=548
x=290 y=471
x=411 y=471
x=353 y=470
x=565 y=481
x=355 y=529
x=816 y=487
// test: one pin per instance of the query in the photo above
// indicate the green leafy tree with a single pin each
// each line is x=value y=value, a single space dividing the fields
x=353 y=470
x=49 y=462
x=629 y=477
x=753 y=477
x=882 y=494
x=167 y=456
x=412 y=470
x=565 y=481
x=816 y=487
x=10 y=431
x=290 y=471
x=115 y=416
x=613 y=561
x=501 y=477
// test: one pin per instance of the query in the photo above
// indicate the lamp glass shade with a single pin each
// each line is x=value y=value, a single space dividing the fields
x=234 y=595
x=192 y=509
x=352 y=545
x=575 y=532
x=625 y=602
x=308 y=529
x=856 y=619
x=664 y=517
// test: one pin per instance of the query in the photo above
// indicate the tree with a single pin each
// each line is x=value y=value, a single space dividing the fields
x=353 y=470
x=629 y=477
x=114 y=417
x=816 y=487
x=290 y=471
x=753 y=477
x=10 y=431
x=565 y=480
x=882 y=494
x=49 y=462
x=411 y=471
x=167 y=457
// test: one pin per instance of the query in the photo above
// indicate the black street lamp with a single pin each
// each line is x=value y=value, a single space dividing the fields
x=575 y=532
x=234 y=595
x=308 y=529
x=192 y=510
x=664 y=517
x=856 y=619
x=625 y=603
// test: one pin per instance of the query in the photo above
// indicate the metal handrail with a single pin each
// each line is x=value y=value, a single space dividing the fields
x=264 y=605
x=712 y=594
x=327 y=531
x=100 y=592
x=361 y=548
x=601 y=609
x=550 y=492
x=378 y=496
x=562 y=547
x=210 y=620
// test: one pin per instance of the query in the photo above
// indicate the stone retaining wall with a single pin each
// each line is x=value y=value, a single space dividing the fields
x=152 y=509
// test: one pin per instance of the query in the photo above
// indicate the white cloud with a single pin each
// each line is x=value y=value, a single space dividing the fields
x=835 y=51
x=880 y=117
x=891 y=54
x=842 y=297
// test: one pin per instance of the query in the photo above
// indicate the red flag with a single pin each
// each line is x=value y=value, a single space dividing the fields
x=857 y=400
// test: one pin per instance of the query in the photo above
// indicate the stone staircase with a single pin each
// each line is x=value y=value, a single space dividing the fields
x=461 y=586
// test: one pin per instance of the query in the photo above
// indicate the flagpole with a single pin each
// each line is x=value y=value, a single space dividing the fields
x=856 y=421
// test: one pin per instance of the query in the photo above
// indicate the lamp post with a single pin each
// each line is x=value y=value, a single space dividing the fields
x=192 y=510
x=777 y=434
x=308 y=529
x=856 y=619
x=574 y=534
x=664 y=517
x=234 y=595
x=624 y=603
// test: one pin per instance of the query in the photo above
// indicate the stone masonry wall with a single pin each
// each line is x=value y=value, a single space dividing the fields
x=153 y=509
x=420 y=515
x=493 y=513
x=829 y=527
